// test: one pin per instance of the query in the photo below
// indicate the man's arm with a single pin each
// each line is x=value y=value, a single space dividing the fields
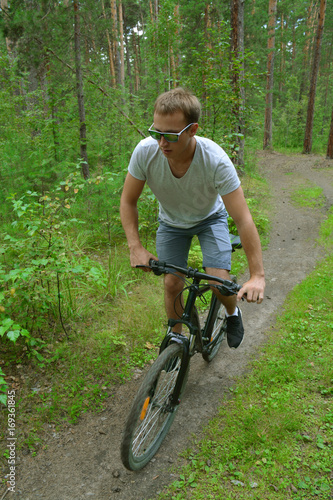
x=237 y=208
x=130 y=220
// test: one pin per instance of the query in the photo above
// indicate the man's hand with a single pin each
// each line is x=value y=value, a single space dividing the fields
x=254 y=290
x=139 y=256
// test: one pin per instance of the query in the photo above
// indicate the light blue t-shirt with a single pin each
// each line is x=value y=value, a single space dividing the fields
x=189 y=200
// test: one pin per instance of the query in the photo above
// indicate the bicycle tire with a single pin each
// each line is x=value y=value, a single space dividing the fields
x=151 y=417
x=195 y=320
x=216 y=329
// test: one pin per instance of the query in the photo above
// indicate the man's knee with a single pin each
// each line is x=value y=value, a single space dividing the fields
x=172 y=284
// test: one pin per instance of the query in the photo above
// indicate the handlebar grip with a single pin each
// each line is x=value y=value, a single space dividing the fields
x=229 y=288
x=157 y=267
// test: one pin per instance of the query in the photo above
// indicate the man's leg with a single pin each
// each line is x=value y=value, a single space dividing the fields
x=173 y=299
x=173 y=245
x=230 y=302
x=235 y=329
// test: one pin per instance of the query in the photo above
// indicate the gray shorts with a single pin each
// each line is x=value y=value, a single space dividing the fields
x=173 y=244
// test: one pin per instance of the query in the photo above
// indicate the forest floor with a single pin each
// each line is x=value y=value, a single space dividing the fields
x=83 y=461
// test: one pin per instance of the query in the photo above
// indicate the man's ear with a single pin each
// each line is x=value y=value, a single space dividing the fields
x=194 y=129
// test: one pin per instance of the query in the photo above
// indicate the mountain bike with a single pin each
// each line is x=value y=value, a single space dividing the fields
x=155 y=405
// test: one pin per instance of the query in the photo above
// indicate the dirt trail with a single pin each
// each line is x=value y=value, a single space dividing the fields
x=84 y=462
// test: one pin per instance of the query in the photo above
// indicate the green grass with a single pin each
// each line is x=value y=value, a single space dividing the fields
x=274 y=438
x=310 y=196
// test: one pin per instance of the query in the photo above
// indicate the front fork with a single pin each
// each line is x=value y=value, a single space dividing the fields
x=175 y=338
x=172 y=337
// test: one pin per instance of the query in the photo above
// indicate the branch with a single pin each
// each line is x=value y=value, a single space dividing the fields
x=98 y=86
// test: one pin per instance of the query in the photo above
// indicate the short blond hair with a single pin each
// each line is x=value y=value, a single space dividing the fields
x=179 y=99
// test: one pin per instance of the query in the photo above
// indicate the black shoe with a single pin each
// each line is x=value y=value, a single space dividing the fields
x=235 y=330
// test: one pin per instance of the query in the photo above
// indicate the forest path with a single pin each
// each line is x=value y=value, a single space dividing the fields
x=84 y=462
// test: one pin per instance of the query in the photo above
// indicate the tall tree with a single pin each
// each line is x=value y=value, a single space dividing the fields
x=122 y=45
x=79 y=89
x=309 y=35
x=110 y=51
x=329 y=153
x=4 y=9
x=314 y=75
x=270 y=73
x=237 y=61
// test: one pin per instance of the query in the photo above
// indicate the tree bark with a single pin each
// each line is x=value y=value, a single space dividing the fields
x=314 y=75
x=111 y=59
x=309 y=35
x=270 y=74
x=4 y=8
x=79 y=89
x=237 y=54
x=329 y=154
x=122 y=50
x=136 y=62
x=114 y=32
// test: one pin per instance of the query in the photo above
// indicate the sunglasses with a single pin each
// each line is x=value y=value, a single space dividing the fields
x=168 y=136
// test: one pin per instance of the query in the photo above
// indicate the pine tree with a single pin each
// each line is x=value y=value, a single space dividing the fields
x=314 y=76
x=270 y=74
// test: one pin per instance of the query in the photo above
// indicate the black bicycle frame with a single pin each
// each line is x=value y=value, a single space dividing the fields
x=194 y=291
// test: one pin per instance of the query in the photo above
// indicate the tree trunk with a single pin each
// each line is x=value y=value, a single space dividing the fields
x=329 y=154
x=111 y=59
x=129 y=68
x=136 y=62
x=115 y=38
x=237 y=55
x=327 y=88
x=79 y=88
x=122 y=51
x=309 y=33
x=4 y=8
x=270 y=74
x=282 y=56
x=315 y=67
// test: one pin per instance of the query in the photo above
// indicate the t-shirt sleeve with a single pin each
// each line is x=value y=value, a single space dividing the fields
x=226 y=179
x=137 y=163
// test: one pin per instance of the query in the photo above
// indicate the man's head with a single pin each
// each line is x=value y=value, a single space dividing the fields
x=176 y=100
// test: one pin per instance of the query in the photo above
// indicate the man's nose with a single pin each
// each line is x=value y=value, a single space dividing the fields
x=163 y=142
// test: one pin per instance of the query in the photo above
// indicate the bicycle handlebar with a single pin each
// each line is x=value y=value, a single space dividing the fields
x=159 y=267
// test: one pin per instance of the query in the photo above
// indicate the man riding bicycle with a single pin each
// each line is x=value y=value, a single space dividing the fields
x=197 y=187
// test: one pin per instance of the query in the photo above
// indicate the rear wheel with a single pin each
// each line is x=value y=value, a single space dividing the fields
x=216 y=330
x=152 y=414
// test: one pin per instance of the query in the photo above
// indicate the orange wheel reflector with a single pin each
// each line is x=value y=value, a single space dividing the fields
x=144 y=408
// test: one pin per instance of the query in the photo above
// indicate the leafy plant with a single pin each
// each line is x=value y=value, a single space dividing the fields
x=3 y=388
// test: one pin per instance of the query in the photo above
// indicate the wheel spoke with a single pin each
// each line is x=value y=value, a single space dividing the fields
x=152 y=412
x=156 y=411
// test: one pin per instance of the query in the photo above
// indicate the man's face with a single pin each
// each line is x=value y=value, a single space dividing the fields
x=174 y=123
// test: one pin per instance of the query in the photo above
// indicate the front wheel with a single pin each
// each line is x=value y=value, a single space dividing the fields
x=216 y=330
x=151 y=414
